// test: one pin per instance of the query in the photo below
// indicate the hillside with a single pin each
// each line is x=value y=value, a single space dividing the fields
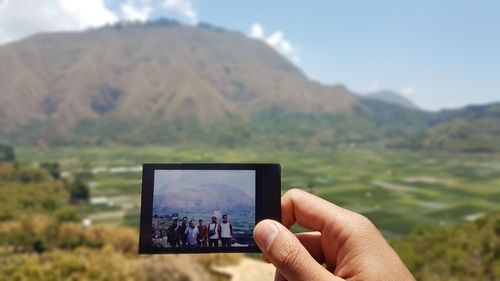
x=161 y=71
x=42 y=238
x=166 y=83
x=471 y=129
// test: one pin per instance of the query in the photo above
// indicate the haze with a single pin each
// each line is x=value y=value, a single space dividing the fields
x=173 y=180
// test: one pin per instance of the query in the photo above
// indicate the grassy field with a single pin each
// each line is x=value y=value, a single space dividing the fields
x=398 y=190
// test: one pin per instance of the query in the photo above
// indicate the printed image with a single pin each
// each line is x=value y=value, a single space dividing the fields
x=203 y=208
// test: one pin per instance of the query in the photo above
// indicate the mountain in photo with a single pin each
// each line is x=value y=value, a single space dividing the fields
x=205 y=198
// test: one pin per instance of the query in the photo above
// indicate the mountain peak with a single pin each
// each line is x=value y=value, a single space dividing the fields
x=162 y=71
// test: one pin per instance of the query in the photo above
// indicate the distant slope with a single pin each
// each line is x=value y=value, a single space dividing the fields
x=471 y=129
x=143 y=72
x=392 y=98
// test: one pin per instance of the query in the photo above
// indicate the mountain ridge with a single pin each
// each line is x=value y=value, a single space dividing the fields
x=204 y=198
x=167 y=83
x=147 y=71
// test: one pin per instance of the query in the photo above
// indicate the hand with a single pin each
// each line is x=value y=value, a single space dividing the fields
x=348 y=244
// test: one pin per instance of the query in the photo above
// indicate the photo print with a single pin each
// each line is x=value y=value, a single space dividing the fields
x=203 y=208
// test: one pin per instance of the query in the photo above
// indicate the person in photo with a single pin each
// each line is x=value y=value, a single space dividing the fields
x=202 y=234
x=225 y=232
x=173 y=234
x=213 y=234
x=192 y=234
x=182 y=231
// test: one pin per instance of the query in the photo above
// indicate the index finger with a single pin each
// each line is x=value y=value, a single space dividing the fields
x=312 y=212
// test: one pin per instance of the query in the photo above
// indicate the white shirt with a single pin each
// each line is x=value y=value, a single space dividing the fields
x=225 y=230
x=192 y=235
x=213 y=227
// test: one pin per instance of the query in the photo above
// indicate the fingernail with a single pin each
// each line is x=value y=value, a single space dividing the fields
x=266 y=232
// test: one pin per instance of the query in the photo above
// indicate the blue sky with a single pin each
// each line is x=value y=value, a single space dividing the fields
x=441 y=54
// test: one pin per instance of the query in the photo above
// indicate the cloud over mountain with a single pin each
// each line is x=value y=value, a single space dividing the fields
x=184 y=8
x=276 y=40
x=21 y=18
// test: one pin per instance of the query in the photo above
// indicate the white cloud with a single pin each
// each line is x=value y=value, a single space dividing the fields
x=276 y=40
x=21 y=18
x=184 y=8
x=408 y=91
x=136 y=12
x=88 y=13
x=256 y=31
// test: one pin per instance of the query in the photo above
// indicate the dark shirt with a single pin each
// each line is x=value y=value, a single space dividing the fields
x=172 y=234
x=182 y=232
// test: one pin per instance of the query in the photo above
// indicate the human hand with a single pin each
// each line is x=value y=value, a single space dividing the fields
x=348 y=244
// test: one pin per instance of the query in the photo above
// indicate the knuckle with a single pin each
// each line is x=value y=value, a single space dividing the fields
x=363 y=220
x=293 y=193
x=365 y=223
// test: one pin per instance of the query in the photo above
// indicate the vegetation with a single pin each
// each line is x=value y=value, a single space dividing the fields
x=18 y=198
x=42 y=238
x=396 y=189
x=463 y=252
x=6 y=153
x=79 y=190
x=370 y=123
x=52 y=168
x=422 y=202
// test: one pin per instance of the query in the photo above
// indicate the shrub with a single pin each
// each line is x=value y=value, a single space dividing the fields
x=7 y=153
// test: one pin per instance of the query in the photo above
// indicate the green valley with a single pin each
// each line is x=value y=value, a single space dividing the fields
x=397 y=189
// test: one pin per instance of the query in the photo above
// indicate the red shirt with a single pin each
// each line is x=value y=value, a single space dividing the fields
x=203 y=232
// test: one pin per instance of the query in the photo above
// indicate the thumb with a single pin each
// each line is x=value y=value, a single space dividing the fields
x=286 y=252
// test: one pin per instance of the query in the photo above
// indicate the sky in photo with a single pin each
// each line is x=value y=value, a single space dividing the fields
x=172 y=180
x=440 y=54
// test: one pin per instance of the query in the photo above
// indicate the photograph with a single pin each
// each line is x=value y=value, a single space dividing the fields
x=183 y=140
x=203 y=208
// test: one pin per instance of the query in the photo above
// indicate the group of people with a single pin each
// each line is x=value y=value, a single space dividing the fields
x=201 y=235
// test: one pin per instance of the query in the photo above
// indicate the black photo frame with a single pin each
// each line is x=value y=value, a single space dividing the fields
x=267 y=202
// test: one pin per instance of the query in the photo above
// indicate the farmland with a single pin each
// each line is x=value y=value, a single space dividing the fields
x=398 y=190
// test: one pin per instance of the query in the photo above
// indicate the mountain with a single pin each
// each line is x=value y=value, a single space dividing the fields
x=205 y=198
x=166 y=83
x=471 y=129
x=392 y=98
x=138 y=73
